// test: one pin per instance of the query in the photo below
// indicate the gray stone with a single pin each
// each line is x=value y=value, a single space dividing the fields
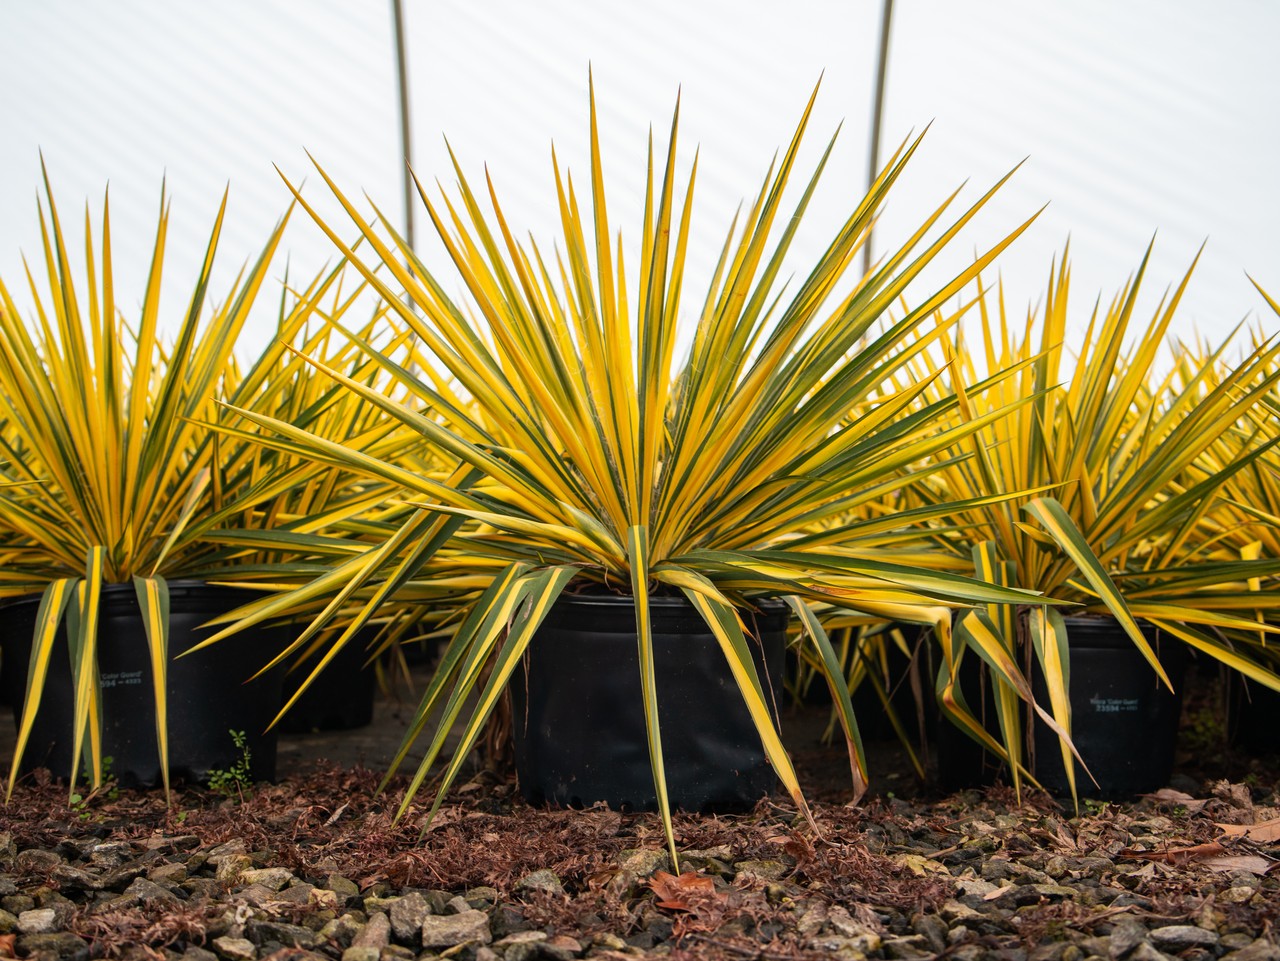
x=450 y=930
x=375 y=934
x=439 y=901
x=206 y=887
x=300 y=893
x=482 y=897
x=1259 y=950
x=361 y=952
x=975 y=887
x=17 y=903
x=520 y=937
x=110 y=854
x=322 y=899
x=231 y=866
x=71 y=878
x=812 y=920
x=1237 y=895
x=342 y=887
x=1178 y=937
x=622 y=885
x=644 y=861
x=1145 y=952
x=933 y=929
x=954 y=911
x=543 y=881
x=42 y=920
x=1047 y=951
x=406 y=916
x=1125 y=936
x=457 y=906
x=854 y=932
x=1235 y=940
x=230 y=848
x=341 y=930
x=36 y=861
x=913 y=946
x=234 y=949
x=396 y=952
x=256 y=895
x=142 y=891
x=273 y=878
x=8 y=922
x=63 y=946
x=760 y=870
x=839 y=944
x=171 y=873
x=196 y=953
x=561 y=947
x=290 y=935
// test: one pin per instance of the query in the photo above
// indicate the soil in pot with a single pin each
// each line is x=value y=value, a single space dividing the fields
x=579 y=734
x=208 y=696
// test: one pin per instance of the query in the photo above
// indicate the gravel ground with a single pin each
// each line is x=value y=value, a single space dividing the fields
x=314 y=868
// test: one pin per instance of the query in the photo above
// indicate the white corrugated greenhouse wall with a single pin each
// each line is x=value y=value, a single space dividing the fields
x=1147 y=117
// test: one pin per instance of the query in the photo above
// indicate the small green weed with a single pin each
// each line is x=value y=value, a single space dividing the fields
x=109 y=789
x=233 y=781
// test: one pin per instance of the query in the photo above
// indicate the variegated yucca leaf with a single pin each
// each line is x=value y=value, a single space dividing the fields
x=110 y=472
x=625 y=440
x=1121 y=469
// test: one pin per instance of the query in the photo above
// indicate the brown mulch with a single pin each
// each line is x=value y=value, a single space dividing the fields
x=317 y=868
x=973 y=875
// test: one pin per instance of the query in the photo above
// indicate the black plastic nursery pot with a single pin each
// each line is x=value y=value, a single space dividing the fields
x=962 y=763
x=1124 y=721
x=579 y=733
x=208 y=696
x=341 y=698
x=1253 y=717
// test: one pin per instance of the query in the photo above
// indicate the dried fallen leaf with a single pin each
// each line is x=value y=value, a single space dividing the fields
x=1265 y=833
x=1168 y=795
x=681 y=893
x=1252 y=863
x=919 y=865
x=794 y=845
x=1177 y=856
x=7 y=942
x=333 y=818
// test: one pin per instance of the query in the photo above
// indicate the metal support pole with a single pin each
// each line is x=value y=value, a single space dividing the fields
x=877 y=113
x=406 y=141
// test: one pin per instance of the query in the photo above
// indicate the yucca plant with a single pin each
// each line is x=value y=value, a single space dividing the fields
x=1244 y=526
x=1111 y=459
x=608 y=436
x=115 y=479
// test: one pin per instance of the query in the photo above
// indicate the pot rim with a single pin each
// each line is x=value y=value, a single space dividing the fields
x=179 y=586
x=665 y=601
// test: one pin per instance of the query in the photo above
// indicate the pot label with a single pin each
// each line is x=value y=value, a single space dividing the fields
x=121 y=679
x=1115 y=705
